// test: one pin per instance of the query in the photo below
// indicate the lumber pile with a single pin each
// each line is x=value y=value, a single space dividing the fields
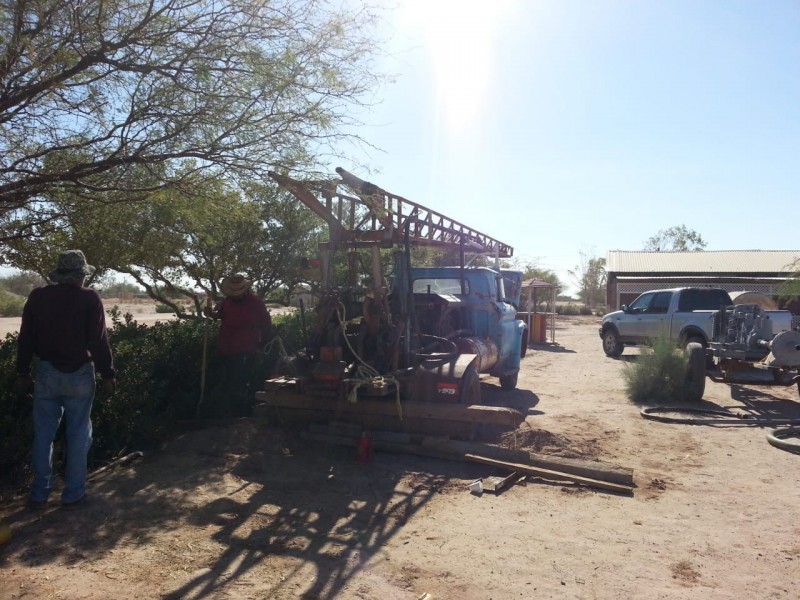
x=589 y=473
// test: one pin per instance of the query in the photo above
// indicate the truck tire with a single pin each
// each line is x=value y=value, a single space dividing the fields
x=523 y=349
x=611 y=344
x=470 y=386
x=509 y=382
x=696 y=371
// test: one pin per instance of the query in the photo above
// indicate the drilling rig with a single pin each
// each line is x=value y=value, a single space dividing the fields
x=402 y=346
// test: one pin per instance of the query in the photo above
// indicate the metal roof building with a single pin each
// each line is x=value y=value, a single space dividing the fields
x=631 y=273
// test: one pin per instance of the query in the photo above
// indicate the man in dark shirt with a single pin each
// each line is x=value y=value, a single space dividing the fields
x=64 y=326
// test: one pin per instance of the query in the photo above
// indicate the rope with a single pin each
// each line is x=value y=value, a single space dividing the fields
x=367 y=374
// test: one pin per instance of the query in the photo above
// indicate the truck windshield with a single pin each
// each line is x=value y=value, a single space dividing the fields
x=703 y=299
x=439 y=286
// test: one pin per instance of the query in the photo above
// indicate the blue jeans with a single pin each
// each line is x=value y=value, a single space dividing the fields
x=57 y=394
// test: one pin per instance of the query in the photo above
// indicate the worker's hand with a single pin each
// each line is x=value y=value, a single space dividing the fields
x=109 y=387
x=24 y=384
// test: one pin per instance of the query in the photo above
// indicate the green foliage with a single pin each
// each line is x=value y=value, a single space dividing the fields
x=158 y=374
x=289 y=327
x=11 y=305
x=120 y=289
x=675 y=239
x=163 y=308
x=567 y=309
x=659 y=374
x=22 y=284
x=590 y=276
x=16 y=425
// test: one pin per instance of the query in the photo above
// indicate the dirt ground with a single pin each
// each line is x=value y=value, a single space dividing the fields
x=250 y=510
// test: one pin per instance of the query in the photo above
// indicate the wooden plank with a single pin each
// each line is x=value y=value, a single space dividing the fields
x=493 y=415
x=550 y=474
x=583 y=468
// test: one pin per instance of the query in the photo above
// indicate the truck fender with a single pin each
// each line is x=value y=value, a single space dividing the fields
x=693 y=334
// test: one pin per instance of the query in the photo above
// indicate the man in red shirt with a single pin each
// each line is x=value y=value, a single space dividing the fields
x=245 y=330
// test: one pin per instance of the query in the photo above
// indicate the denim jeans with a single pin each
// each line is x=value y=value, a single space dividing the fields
x=57 y=394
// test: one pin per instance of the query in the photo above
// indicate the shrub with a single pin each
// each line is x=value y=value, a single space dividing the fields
x=585 y=310
x=11 y=304
x=567 y=309
x=659 y=375
x=158 y=374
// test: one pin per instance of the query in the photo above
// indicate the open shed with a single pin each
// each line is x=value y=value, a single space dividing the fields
x=540 y=322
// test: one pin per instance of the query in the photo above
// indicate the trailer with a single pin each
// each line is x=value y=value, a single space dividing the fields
x=749 y=346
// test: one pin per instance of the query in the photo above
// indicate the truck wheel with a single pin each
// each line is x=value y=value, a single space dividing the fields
x=509 y=382
x=696 y=371
x=523 y=350
x=470 y=386
x=611 y=344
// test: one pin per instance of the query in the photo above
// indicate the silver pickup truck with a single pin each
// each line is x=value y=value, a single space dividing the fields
x=682 y=314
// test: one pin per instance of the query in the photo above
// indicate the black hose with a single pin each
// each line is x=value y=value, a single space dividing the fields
x=775 y=437
x=727 y=417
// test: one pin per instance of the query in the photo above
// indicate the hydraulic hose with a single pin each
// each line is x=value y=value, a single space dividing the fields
x=775 y=437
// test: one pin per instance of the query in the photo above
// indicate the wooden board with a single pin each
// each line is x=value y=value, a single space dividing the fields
x=575 y=466
x=492 y=415
x=550 y=474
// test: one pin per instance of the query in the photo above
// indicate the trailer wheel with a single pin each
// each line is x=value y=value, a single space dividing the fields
x=509 y=382
x=471 y=386
x=696 y=371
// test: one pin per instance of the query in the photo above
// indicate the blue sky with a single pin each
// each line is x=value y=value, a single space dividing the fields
x=562 y=127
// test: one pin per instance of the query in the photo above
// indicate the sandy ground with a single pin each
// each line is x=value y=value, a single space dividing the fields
x=251 y=511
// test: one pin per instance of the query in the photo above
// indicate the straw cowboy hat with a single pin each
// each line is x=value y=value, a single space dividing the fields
x=71 y=266
x=235 y=285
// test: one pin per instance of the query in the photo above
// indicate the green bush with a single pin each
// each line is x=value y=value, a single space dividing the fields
x=158 y=376
x=11 y=304
x=585 y=310
x=567 y=309
x=659 y=375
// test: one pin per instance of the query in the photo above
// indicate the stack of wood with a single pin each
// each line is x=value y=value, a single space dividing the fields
x=590 y=473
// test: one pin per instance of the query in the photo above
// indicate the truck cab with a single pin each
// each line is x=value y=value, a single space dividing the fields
x=471 y=307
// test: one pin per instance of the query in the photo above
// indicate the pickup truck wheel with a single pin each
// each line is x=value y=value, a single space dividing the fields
x=509 y=382
x=696 y=371
x=611 y=344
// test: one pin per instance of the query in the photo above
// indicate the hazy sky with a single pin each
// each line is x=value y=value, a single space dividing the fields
x=564 y=126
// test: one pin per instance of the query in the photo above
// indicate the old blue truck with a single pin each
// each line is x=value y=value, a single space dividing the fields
x=476 y=309
x=395 y=339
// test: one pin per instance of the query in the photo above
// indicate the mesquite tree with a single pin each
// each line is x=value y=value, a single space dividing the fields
x=113 y=100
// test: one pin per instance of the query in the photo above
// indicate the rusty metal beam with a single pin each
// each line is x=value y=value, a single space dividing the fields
x=384 y=217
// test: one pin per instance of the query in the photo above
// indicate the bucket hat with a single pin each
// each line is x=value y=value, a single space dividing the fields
x=235 y=285
x=71 y=265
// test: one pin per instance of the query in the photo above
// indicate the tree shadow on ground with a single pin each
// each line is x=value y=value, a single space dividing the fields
x=765 y=405
x=270 y=511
